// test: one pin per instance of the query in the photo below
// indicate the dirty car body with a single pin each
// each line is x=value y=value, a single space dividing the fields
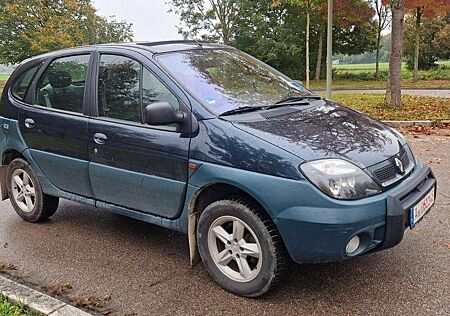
x=163 y=132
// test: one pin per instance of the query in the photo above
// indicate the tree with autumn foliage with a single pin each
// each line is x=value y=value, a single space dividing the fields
x=287 y=34
x=347 y=15
x=212 y=20
x=32 y=27
x=420 y=9
x=308 y=6
x=442 y=39
x=432 y=44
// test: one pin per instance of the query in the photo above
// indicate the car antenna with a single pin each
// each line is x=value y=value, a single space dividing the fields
x=195 y=41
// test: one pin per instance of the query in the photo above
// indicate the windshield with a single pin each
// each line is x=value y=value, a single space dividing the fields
x=228 y=79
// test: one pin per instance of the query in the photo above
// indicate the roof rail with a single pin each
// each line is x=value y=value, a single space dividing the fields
x=199 y=43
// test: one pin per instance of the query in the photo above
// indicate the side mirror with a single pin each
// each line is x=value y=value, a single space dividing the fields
x=162 y=113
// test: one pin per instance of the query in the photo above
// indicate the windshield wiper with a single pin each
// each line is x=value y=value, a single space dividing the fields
x=296 y=99
x=242 y=109
x=290 y=100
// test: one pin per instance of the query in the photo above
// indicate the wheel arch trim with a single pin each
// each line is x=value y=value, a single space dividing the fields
x=209 y=175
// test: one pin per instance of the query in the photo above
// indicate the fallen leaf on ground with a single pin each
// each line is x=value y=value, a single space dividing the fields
x=90 y=302
x=58 y=288
x=414 y=108
x=6 y=268
x=19 y=276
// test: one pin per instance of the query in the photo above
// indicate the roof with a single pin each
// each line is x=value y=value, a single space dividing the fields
x=153 y=47
x=167 y=46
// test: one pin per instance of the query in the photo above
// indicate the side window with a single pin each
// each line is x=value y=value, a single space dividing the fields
x=119 y=88
x=62 y=84
x=155 y=91
x=20 y=86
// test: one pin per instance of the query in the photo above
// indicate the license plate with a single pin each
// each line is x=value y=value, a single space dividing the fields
x=418 y=211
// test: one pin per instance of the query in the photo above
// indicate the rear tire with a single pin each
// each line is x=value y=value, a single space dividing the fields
x=240 y=247
x=25 y=193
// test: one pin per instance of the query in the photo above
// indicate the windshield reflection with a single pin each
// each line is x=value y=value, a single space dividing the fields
x=227 y=79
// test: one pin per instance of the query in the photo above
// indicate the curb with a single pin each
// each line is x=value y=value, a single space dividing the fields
x=417 y=123
x=37 y=301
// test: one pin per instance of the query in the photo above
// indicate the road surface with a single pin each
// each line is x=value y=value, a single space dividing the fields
x=144 y=269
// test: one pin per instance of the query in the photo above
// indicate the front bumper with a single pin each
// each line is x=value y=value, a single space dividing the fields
x=400 y=201
x=320 y=234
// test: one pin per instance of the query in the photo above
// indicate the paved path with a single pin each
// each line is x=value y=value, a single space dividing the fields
x=424 y=92
x=144 y=268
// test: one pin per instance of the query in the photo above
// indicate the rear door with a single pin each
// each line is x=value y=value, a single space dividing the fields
x=132 y=164
x=54 y=123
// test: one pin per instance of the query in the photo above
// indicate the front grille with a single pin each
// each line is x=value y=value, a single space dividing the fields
x=404 y=158
x=386 y=173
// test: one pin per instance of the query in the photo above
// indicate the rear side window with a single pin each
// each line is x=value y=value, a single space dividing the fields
x=63 y=83
x=20 y=86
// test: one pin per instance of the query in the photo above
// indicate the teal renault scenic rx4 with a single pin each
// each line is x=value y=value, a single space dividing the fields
x=206 y=140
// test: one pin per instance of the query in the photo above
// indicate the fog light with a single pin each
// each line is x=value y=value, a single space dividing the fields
x=352 y=245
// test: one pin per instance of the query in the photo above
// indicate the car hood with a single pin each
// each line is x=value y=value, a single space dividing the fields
x=328 y=130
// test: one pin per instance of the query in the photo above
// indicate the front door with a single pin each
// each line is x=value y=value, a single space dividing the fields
x=54 y=127
x=132 y=164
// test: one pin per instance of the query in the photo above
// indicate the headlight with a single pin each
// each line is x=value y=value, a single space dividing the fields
x=339 y=179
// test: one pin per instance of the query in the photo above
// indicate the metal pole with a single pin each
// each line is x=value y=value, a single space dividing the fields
x=330 y=49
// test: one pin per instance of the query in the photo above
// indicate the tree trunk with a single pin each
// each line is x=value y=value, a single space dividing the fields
x=377 y=58
x=225 y=36
x=417 y=45
x=394 y=89
x=307 y=48
x=319 y=54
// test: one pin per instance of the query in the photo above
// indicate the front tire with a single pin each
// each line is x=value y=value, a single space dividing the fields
x=240 y=247
x=25 y=193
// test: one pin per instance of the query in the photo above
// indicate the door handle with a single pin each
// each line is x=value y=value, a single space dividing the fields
x=100 y=138
x=29 y=123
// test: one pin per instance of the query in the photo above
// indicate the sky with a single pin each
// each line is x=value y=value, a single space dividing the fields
x=150 y=19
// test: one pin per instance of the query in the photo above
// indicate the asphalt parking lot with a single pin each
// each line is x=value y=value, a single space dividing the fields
x=143 y=269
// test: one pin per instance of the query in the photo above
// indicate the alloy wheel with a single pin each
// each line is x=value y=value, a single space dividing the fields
x=23 y=190
x=234 y=248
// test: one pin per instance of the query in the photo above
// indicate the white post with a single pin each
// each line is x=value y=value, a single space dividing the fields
x=330 y=49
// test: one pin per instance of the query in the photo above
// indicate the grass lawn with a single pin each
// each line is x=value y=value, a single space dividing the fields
x=362 y=76
x=349 y=84
x=366 y=72
x=413 y=108
x=358 y=84
x=374 y=84
x=371 y=67
x=363 y=67
x=4 y=76
x=11 y=309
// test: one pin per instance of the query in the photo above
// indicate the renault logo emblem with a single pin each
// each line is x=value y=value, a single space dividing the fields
x=399 y=165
